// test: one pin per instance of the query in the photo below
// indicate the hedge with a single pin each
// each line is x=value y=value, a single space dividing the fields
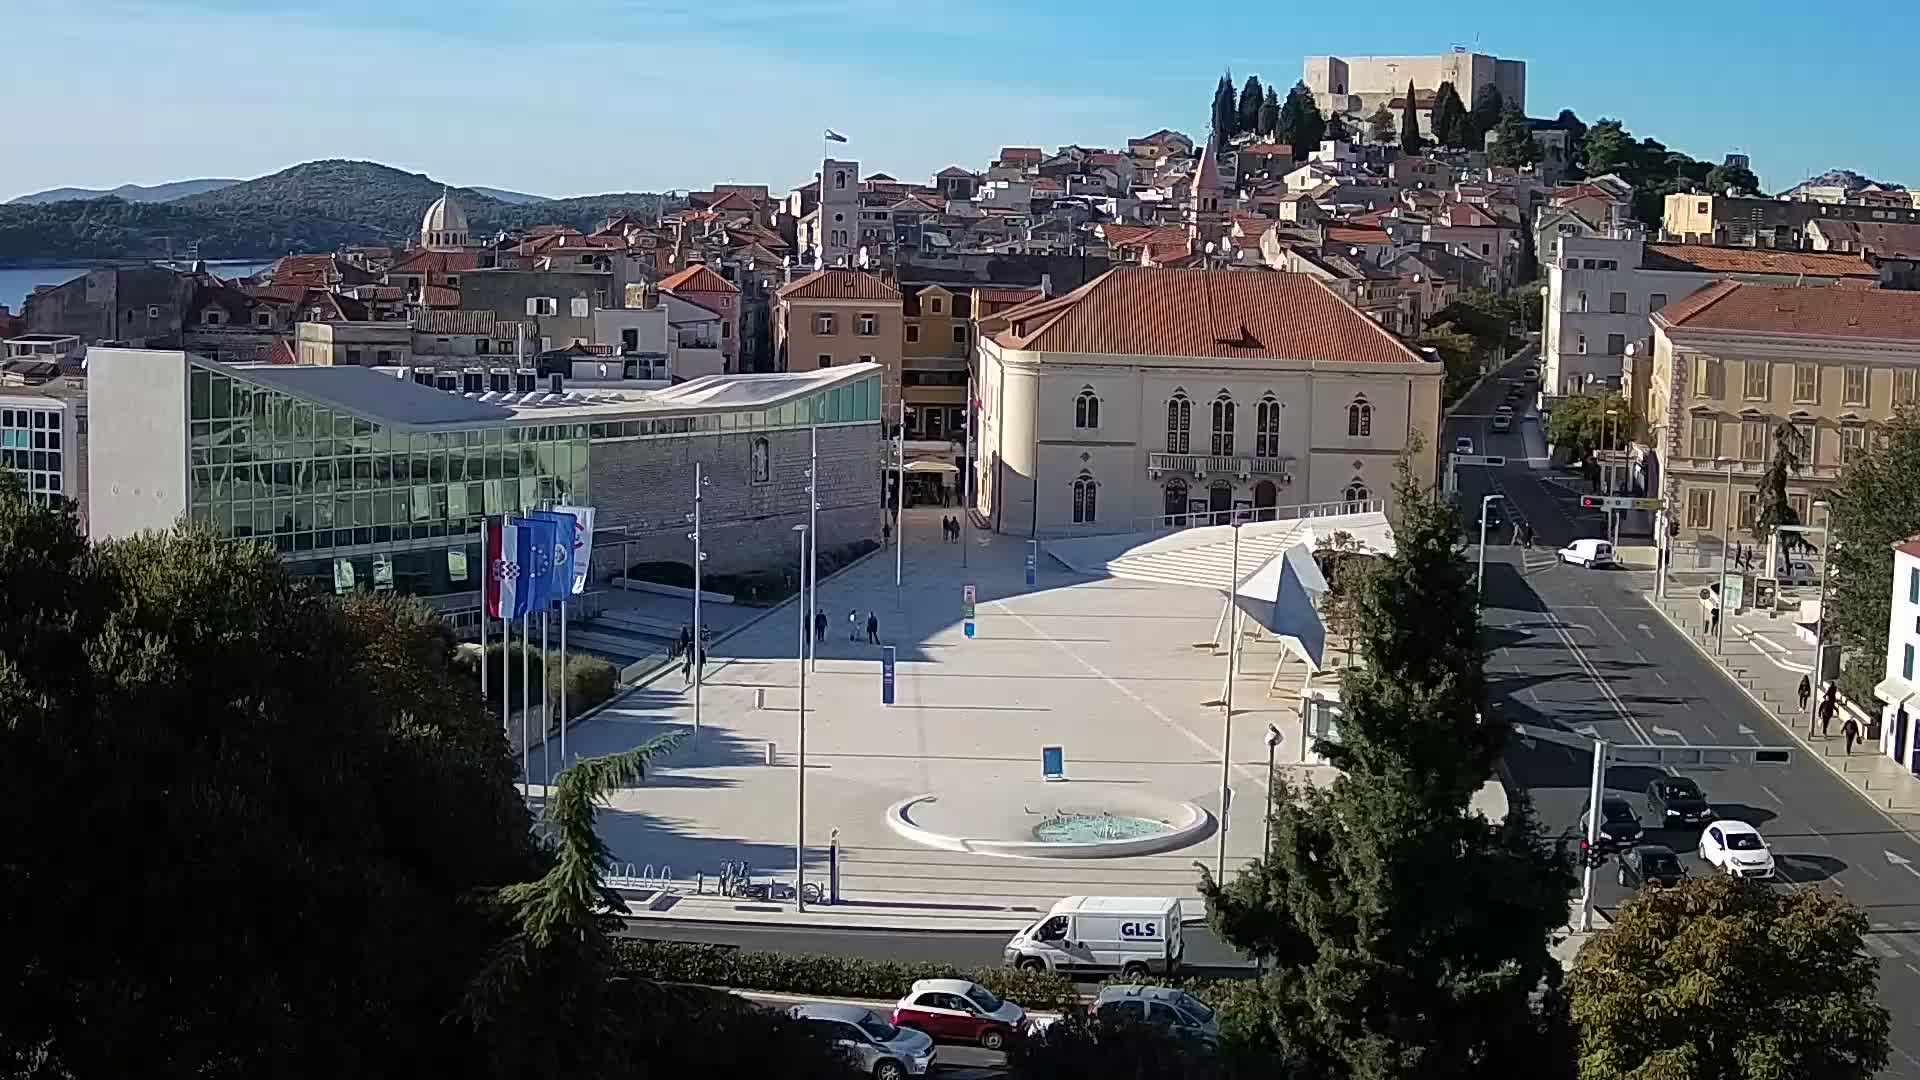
x=826 y=976
x=758 y=587
x=590 y=680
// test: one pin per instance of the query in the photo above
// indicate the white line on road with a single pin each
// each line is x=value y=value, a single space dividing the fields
x=1645 y=629
x=1610 y=623
x=1667 y=731
x=1709 y=732
x=1606 y=691
x=1662 y=678
x=1777 y=800
x=1902 y=862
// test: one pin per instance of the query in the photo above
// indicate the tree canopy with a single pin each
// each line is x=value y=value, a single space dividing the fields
x=1451 y=127
x=1269 y=113
x=1874 y=505
x=1511 y=144
x=1380 y=127
x=1300 y=124
x=1410 y=140
x=1488 y=106
x=1587 y=422
x=1247 y=114
x=1775 y=507
x=1721 y=979
x=1226 y=112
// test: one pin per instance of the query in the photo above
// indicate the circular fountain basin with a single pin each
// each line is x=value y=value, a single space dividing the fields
x=1086 y=821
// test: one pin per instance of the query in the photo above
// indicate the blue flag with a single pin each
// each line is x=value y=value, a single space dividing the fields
x=541 y=538
x=560 y=585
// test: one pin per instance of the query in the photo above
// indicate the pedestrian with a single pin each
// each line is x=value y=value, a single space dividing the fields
x=819 y=625
x=886 y=533
x=1713 y=621
x=686 y=666
x=686 y=640
x=873 y=628
x=953 y=530
x=853 y=626
x=1850 y=731
x=1806 y=691
x=1826 y=716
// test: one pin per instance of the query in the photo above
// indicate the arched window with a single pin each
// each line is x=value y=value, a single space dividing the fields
x=1357 y=491
x=1223 y=425
x=762 y=460
x=1175 y=506
x=1360 y=419
x=1179 y=423
x=1085 y=492
x=1086 y=409
x=840 y=180
x=1266 y=424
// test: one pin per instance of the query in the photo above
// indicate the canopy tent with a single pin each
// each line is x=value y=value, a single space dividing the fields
x=1279 y=597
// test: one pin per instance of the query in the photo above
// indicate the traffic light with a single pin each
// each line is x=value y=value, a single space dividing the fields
x=1593 y=502
x=1595 y=855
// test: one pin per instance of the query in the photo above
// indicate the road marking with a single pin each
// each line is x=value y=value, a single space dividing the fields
x=1645 y=629
x=1747 y=731
x=1662 y=678
x=1667 y=731
x=1772 y=796
x=1709 y=732
x=1902 y=862
x=1610 y=624
x=1589 y=731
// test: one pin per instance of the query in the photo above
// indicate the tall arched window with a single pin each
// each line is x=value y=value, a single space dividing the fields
x=1179 y=423
x=839 y=180
x=1086 y=409
x=1357 y=491
x=1085 y=493
x=1223 y=425
x=1360 y=419
x=1175 y=505
x=1266 y=425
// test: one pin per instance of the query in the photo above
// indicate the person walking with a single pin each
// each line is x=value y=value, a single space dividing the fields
x=1826 y=716
x=686 y=664
x=1850 y=731
x=1713 y=621
x=1806 y=691
x=686 y=639
x=853 y=625
x=873 y=628
x=819 y=625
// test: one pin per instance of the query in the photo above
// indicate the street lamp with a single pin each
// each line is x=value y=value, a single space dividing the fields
x=1266 y=835
x=1480 y=573
x=1226 y=735
x=699 y=556
x=1726 y=539
x=800 y=740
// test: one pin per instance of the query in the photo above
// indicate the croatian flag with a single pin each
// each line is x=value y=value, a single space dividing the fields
x=506 y=580
x=834 y=136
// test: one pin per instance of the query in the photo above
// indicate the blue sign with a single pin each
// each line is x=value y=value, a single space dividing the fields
x=886 y=675
x=1033 y=560
x=1053 y=762
x=969 y=627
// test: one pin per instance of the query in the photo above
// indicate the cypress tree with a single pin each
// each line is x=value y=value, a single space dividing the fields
x=1488 y=107
x=1269 y=114
x=1449 y=120
x=1225 y=114
x=1409 y=125
x=1247 y=116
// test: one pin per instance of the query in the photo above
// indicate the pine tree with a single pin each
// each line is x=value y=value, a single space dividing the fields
x=1449 y=117
x=1225 y=113
x=1312 y=127
x=1775 y=508
x=1875 y=505
x=1488 y=107
x=1247 y=116
x=1337 y=130
x=1409 y=125
x=1512 y=145
x=1269 y=114
x=1380 y=126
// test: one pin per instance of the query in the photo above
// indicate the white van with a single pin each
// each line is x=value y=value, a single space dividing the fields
x=1588 y=553
x=1134 y=935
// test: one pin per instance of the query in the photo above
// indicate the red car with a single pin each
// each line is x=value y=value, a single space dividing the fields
x=955 y=1010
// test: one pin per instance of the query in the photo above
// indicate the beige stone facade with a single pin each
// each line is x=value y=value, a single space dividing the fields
x=835 y=317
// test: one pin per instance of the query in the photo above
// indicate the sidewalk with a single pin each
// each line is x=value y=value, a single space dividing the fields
x=1766 y=660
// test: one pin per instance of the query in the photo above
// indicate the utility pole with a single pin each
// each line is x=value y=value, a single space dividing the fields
x=1226 y=736
x=1594 y=787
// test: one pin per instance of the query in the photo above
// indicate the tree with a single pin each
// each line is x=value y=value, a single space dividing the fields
x=1341 y=558
x=1247 y=115
x=1380 y=127
x=1775 y=508
x=1738 y=178
x=1269 y=113
x=1300 y=124
x=1875 y=505
x=1721 y=979
x=1404 y=935
x=1449 y=118
x=1608 y=147
x=1410 y=141
x=1489 y=316
x=1488 y=106
x=1511 y=145
x=1457 y=356
x=1226 y=114
x=1336 y=130
x=1576 y=131
x=1587 y=422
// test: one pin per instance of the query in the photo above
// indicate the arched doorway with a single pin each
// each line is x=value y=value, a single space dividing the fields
x=1220 y=501
x=1265 y=498
x=1175 y=503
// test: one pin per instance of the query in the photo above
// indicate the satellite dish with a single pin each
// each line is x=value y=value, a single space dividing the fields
x=864 y=258
x=1209 y=247
x=1353 y=251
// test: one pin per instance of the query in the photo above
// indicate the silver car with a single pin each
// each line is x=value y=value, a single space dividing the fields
x=875 y=1046
x=1161 y=1007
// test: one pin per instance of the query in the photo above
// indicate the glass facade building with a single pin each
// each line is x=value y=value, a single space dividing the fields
x=30 y=447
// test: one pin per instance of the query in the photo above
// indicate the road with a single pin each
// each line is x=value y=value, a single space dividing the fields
x=1575 y=648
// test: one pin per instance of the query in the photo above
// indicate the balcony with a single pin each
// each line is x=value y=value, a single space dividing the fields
x=1200 y=466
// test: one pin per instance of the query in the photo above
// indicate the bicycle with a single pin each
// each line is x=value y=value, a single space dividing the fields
x=810 y=893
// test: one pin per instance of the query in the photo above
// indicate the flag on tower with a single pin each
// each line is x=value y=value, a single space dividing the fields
x=834 y=136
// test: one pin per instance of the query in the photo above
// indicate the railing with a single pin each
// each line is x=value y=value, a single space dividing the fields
x=1219 y=465
x=1751 y=469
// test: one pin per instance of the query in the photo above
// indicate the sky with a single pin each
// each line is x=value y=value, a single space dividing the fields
x=573 y=97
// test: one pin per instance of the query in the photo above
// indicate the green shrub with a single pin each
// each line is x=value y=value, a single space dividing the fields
x=760 y=588
x=825 y=976
x=590 y=680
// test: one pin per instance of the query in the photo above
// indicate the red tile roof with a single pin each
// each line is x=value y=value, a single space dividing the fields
x=1123 y=237
x=439 y=296
x=1886 y=240
x=697 y=279
x=436 y=262
x=1911 y=546
x=1020 y=153
x=1271 y=149
x=733 y=200
x=992 y=294
x=1201 y=313
x=1741 y=260
x=1338 y=235
x=1798 y=311
x=840 y=285
x=1467 y=216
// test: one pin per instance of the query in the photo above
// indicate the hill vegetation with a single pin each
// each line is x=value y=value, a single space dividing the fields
x=178 y=189
x=316 y=206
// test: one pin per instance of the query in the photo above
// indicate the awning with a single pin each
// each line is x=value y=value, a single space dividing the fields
x=943 y=467
x=1894 y=690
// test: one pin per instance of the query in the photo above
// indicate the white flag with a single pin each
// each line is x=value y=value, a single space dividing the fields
x=582 y=542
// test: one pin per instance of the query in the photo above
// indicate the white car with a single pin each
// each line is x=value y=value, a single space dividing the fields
x=1463 y=445
x=1587 y=553
x=1736 y=848
x=1503 y=407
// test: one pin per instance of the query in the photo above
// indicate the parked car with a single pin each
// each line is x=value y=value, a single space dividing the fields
x=1619 y=825
x=1736 y=848
x=1651 y=864
x=1677 y=801
x=955 y=1010
x=1502 y=423
x=1175 y=1010
x=875 y=1047
x=1587 y=553
x=1795 y=572
x=1463 y=445
x=1532 y=373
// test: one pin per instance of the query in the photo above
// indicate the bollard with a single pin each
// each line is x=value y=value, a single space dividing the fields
x=769 y=752
x=760 y=698
x=833 y=866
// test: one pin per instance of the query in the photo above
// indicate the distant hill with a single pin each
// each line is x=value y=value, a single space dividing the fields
x=1845 y=178
x=517 y=198
x=158 y=193
x=316 y=206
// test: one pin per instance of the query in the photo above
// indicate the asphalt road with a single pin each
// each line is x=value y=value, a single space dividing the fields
x=1577 y=648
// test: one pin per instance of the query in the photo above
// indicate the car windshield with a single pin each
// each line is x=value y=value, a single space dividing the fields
x=1661 y=864
x=984 y=998
x=1744 y=841
x=1614 y=810
x=877 y=1029
x=1193 y=1007
x=1683 y=789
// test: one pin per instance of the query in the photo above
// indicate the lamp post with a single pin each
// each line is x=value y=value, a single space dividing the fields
x=698 y=643
x=800 y=740
x=1266 y=834
x=1726 y=539
x=1480 y=573
x=1226 y=735
x=1819 y=632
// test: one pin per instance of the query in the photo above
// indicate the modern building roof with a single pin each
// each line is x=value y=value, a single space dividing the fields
x=1743 y=260
x=372 y=394
x=839 y=285
x=697 y=279
x=1804 y=311
x=1201 y=313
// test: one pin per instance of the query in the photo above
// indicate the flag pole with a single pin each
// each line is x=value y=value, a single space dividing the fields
x=546 y=711
x=966 y=482
x=563 y=682
x=698 y=555
x=526 y=703
x=813 y=538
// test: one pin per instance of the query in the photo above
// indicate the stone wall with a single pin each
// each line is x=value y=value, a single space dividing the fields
x=647 y=485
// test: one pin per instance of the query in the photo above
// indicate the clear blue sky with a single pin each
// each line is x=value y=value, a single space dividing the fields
x=562 y=97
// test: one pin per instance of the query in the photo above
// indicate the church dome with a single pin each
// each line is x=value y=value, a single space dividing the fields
x=445 y=224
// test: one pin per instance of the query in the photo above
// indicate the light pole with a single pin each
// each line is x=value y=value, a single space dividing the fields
x=1726 y=539
x=1480 y=573
x=698 y=644
x=1266 y=834
x=1819 y=630
x=1226 y=736
x=800 y=741
x=1594 y=786
x=813 y=533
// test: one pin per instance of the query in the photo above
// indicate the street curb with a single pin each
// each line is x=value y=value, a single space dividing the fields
x=1758 y=703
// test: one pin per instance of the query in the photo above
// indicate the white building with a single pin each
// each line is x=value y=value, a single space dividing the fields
x=1900 y=691
x=1602 y=290
x=43 y=441
x=1155 y=398
x=1356 y=85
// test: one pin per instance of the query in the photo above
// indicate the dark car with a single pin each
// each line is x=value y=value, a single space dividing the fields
x=1495 y=518
x=1676 y=802
x=1651 y=864
x=1618 y=823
